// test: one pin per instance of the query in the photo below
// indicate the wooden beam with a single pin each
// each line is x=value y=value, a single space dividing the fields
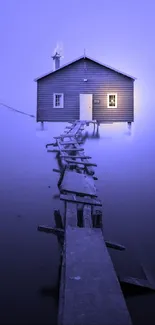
x=75 y=157
x=65 y=143
x=54 y=231
x=92 y=293
x=56 y=170
x=97 y=218
x=71 y=214
x=89 y=168
x=72 y=149
x=54 y=150
x=79 y=199
x=54 y=144
x=87 y=220
x=137 y=282
x=80 y=184
x=80 y=162
x=115 y=246
x=63 y=136
x=59 y=222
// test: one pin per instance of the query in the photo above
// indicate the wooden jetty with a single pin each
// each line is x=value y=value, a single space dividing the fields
x=90 y=293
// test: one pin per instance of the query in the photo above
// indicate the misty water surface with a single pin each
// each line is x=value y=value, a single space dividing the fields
x=29 y=260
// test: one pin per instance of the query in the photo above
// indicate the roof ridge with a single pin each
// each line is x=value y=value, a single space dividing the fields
x=89 y=58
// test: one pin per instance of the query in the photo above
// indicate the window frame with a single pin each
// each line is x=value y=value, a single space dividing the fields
x=61 y=100
x=108 y=96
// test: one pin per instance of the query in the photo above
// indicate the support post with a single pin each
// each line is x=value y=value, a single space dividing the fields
x=42 y=125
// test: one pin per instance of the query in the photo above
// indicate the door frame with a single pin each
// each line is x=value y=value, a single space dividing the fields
x=90 y=96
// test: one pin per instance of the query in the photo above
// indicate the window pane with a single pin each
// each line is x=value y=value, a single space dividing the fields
x=112 y=100
x=57 y=100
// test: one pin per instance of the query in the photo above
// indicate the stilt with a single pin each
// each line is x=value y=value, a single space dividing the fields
x=94 y=127
x=129 y=125
x=97 y=131
x=42 y=125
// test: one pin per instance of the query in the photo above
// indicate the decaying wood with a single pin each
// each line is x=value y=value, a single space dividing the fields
x=71 y=214
x=58 y=219
x=92 y=292
x=87 y=220
x=97 y=218
x=61 y=176
x=137 y=282
x=51 y=144
x=80 y=162
x=79 y=199
x=64 y=143
x=72 y=149
x=75 y=157
x=89 y=169
x=52 y=230
x=78 y=183
x=56 y=170
x=69 y=127
x=54 y=150
x=88 y=279
x=115 y=246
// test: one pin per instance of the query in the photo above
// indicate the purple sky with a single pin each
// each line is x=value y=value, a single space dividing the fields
x=116 y=32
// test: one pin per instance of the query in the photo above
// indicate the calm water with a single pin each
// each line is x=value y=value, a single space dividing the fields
x=29 y=260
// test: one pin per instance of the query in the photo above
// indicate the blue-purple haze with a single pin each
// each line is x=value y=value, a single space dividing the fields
x=121 y=34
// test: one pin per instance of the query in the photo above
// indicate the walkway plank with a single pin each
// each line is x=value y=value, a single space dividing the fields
x=85 y=163
x=78 y=183
x=92 y=292
x=79 y=199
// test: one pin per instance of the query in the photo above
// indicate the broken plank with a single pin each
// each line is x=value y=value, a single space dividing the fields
x=92 y=293
x=64 y=143
x=72 y=149
x=137 y=282
x=80 y=162
x=75 y=157
x=87 y=220
x=79 y=199
x=58 y=219
x=76 y=129
x=78 y=183
x=54 y=144
x=52 y=230
x=54 y=150
x=89 y=169
x=115 y=245
x=97 y=218
x=64 y=136
x=71 y=214
x=56 y=170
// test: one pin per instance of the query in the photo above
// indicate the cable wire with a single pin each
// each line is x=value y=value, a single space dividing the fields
x=16 y=110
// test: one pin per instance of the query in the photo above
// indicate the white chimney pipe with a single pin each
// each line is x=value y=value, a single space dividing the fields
x=56 y=57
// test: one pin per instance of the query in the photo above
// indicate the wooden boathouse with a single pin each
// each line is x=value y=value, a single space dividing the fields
x=85 y=89
x=89 y=290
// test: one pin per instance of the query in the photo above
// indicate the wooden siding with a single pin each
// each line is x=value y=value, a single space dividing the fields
x=101 y=81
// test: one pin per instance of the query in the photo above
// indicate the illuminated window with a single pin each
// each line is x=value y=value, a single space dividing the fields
x=112 y=100
x=58 y=100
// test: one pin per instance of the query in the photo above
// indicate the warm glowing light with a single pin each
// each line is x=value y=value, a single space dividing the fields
x=112 y=100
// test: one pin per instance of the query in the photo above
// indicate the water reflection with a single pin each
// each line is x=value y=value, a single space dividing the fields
x=126 y=186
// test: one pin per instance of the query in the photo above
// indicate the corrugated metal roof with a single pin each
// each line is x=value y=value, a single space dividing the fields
x=84 y=57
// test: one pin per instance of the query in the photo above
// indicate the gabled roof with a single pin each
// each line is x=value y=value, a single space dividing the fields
x=85 y=57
